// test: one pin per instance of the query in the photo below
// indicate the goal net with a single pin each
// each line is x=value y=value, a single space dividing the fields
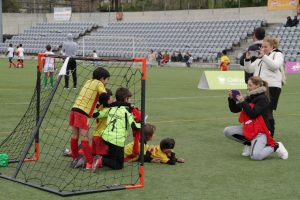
x=35 y=147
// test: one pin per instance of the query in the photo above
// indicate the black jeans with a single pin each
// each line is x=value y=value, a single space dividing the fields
x=115 y=157
x=71 y=66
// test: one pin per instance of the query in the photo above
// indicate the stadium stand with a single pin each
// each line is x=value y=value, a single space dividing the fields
x=289 y=41
x=37 y=37
x=203 y=39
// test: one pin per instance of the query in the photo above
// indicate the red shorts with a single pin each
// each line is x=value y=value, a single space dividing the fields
x=78 y=120
x=99 y=147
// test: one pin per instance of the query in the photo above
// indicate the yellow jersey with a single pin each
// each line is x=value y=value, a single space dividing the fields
x=156 y=152
x=101 y=124
x=225 y=59
x=89 y=95
x=128 y=151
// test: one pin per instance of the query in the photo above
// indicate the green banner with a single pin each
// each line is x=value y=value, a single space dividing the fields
x=221 y=80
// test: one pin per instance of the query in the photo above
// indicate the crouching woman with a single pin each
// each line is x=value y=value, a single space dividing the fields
x=254 y=133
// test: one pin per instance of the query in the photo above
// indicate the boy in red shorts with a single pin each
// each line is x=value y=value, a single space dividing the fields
x=80 y=112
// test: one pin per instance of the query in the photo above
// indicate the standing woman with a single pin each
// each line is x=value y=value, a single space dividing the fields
x=269 y=66
x=254 y=133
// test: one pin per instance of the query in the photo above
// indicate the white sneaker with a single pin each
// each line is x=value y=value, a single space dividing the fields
x=282 y=152
x=247 y=151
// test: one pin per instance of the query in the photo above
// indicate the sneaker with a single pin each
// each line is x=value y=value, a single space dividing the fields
x=97 y=163
x=246 y=151
x=81 y=162
x=66 y=152
x=74 y=162
x=282 y=152
x=74 y=88
x=66 y=88
x=88 y=166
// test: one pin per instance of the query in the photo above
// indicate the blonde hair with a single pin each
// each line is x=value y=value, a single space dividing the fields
x=274 y=42
x=149 y=131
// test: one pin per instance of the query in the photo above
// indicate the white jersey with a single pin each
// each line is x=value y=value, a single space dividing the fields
x=20 y=52
x=10 y=51
x=49 y=64
x=95 y=55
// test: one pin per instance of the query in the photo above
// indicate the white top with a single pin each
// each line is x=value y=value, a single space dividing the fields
x=10 y=51
x=49 y=62
x=95 y=55
x=20 y=52
x=269 y=68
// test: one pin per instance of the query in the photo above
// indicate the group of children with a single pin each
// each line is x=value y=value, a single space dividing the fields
x=113 y=119
x=20 y=54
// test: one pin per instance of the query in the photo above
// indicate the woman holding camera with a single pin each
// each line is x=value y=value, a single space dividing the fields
x=254 y=133
x=269 y=66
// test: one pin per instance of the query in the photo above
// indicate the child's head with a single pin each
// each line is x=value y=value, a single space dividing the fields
x=48 y=47
x=101 y=74
x=224 y=52
x=106 y=98
x=10 y=45
x=149 y=131
x=20 y=45
x=167 y=145
x=123 y=94
x=94 y=51
x=109 y=93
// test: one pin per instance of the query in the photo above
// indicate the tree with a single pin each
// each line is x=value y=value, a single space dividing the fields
x=10 y=6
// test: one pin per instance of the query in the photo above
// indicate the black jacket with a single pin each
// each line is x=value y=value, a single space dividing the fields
x=261 y=105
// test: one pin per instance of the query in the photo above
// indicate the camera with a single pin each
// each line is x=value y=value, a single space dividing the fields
x=234 y=94
x=253 y=53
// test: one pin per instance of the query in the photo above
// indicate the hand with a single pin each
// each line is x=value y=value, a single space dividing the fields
x=240 y=98
x=180 y=160
x=248 y=55
x=229 y=93
x=155 y=160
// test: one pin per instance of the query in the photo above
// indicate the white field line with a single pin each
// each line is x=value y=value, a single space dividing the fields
x=151 y=99
x=177 y=121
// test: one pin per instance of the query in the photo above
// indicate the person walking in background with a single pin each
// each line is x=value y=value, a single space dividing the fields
x=49 y=67
x=270 y=67
x=20 y=53
x=254 y=133
x=69 y=49
x=159 y=57
x=258 y=36
x=225 y=61
x=151 y=58
x=10 y=54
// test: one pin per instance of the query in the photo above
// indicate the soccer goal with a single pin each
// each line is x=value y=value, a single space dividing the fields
x=35 y=146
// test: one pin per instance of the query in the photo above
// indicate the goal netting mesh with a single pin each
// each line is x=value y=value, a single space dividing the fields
x=35 y=147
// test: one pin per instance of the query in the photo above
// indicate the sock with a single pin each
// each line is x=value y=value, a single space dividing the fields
x=45 y=81
x=276 y=146
x=136 y=148
x=74 y=147
x=272 y=126
x=51 y=81
x=87 y=150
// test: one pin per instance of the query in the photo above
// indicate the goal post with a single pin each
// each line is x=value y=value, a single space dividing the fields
x=113 y=46
x=35 y=147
